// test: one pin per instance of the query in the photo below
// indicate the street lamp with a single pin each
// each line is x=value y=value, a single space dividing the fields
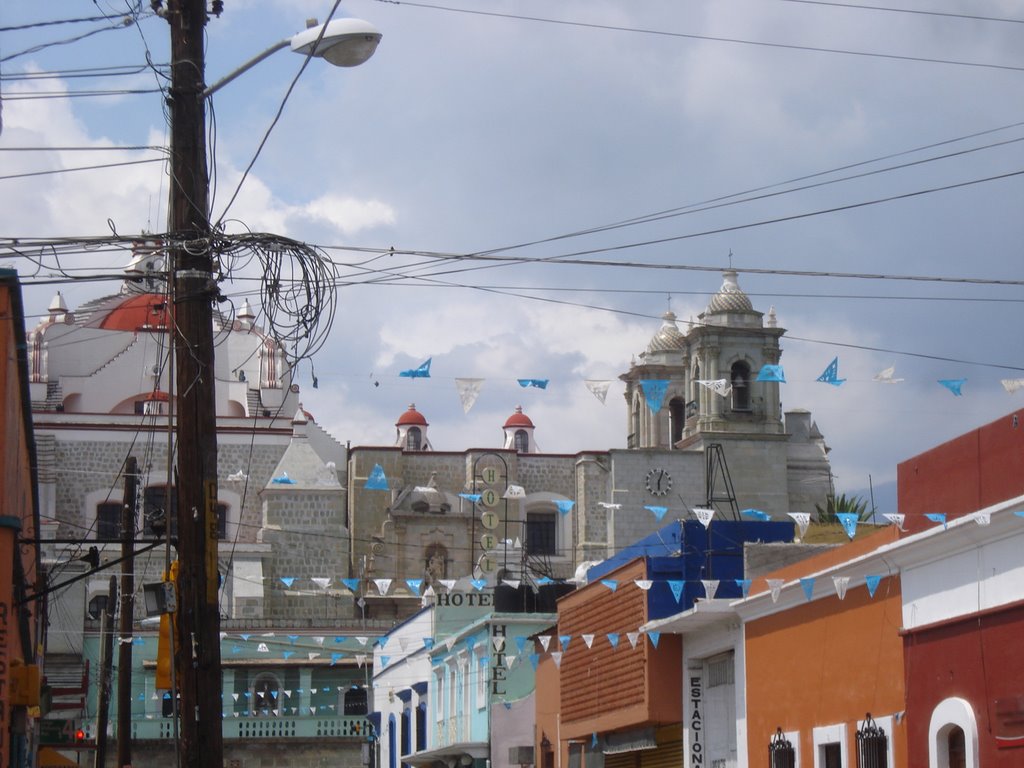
x=341 y=42
x=345 y=42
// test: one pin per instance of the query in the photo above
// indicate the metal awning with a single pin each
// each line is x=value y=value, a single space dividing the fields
x=478 y=750
x=629 y=741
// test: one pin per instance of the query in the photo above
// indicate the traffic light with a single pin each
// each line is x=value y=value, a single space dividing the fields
x=79 y=735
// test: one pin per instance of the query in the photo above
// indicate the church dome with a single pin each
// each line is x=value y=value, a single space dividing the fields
x=142 y=311
x=730 y=297
x=668 y=338
x=518 y=419
x=411 y=418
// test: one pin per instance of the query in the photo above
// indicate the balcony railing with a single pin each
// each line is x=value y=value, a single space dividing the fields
x=297 y=727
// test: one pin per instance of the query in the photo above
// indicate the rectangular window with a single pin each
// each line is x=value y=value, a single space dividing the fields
x=721 y=671
x=540 y=533
x=831 y=755
x=829 y=746
x=108 y=520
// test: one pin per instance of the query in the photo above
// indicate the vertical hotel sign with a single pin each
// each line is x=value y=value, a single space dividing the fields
x=8 y=530
x=696 y=718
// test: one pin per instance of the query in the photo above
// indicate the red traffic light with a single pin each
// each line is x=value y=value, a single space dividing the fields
x=79 y=735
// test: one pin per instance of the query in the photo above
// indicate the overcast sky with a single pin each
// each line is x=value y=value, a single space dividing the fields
x=527 y=121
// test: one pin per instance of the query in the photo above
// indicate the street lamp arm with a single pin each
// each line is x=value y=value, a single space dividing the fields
x=343 y=42
x=212 y=89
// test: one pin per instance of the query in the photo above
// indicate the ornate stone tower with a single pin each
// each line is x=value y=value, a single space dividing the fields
x=732 y=343
x=664 y=359
x=729 y=344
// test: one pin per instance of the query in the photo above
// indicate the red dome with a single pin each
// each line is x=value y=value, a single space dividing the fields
x=147 y=310
x=518 y=419
x=411 y=417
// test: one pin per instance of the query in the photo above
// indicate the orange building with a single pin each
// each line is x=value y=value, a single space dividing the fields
x=19 y=519
x=817 y=666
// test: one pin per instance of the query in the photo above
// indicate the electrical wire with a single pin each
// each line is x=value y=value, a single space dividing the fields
x=708 y=38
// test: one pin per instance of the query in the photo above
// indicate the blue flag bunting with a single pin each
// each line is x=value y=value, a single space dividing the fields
x=677 y=588
x=849 y=522
x=654 y=392
x=474 y=497
x=288 y=581
x=771 y=373
x=756 y=514
x=655 y=637
x=658 y=512
x=953 y=385
x=414 y=585
x=831 y=374
x=534 y=660
x=352 y=584
x=564 y=506
x=377 y=481
x=613 y=639
x=937 y=517
x=872 y=583
x=422 y=372
x=744 y=585
x=536 y=383
x=564 y=642
x=612 y=584
x=808 y=586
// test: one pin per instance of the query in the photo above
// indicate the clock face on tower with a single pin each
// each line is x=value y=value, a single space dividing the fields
x=658 y=482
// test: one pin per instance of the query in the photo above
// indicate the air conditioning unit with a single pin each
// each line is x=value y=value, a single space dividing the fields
x=520 y=755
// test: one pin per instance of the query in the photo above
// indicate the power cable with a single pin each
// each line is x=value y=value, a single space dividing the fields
x=709 y=38
x=914 y=11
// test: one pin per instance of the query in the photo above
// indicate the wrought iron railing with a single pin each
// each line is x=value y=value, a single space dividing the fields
x=781 y=753
x=872 y=745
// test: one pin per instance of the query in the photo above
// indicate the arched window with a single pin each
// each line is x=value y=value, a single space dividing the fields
x=956 y=748
x=676 y=419
x=522 y=441
x=740 y=373
x=413 y=439
x=266 y=691
x=633 y=441
x=695 y=388
x=392 y=742
x=541 y=533
x=953 y=735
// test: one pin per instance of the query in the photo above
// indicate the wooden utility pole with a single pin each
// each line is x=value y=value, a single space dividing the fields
x=106 y=665
x=124 y=649
x=194 y=290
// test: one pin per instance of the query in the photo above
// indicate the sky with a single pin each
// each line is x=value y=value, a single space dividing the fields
x=822 y=149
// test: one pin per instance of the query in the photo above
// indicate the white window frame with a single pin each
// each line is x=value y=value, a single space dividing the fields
x=481 y=681
x=953 y=711
x=830 y=734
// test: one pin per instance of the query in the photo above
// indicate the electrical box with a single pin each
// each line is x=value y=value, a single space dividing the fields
x=24 y=685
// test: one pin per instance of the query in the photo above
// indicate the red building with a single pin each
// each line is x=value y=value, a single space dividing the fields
x=19 y=519
x=968 y=473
